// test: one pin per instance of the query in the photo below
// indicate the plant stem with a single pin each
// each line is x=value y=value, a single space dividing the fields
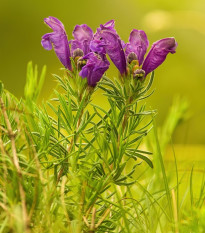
x=92 y=226
x=12 y=136
x=75 y=137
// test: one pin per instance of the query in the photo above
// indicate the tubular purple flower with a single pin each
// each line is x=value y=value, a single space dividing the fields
x=111 y=42
x=58 y=40
x=138 y=44
x=158 y=53
x=105 y=40
x=82 y=37
x=95 y=67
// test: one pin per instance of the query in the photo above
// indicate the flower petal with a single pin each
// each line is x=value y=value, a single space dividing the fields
x=57 y=39
x=54 y=23
x=83 y=36
x=158 y=53
x=110 y=25
x=138 y=44
x=76 y=45
x=97 y=46
x=95 y=68
x=82 y=32
x=111 y=42
x=45 y=42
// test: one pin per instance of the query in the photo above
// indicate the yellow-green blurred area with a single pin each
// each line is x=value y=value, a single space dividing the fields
x=21 y=24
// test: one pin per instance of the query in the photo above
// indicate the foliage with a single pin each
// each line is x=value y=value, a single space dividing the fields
x=72 y=166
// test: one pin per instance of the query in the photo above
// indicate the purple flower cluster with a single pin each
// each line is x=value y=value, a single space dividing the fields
x=93 y=48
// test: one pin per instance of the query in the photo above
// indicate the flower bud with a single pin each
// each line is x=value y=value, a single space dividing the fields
x=131 y=57
x=139 y=74
x=78 y=53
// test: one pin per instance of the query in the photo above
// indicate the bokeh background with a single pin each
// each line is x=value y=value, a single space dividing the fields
x=21 y=28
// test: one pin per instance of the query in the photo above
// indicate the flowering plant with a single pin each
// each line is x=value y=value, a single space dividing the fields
x=98 y=151
x=82 y=162
x=106 y=144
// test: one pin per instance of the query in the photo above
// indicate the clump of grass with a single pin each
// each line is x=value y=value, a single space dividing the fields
x=85 y=168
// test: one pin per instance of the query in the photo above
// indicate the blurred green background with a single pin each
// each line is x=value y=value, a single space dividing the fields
x=21 y=24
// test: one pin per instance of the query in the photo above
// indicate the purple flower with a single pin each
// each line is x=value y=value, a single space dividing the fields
x=82 y=37
x=158 y=53
x=137 y=47
x=107 y=39
x=138 y=44
x=95 y=67
x=58 y=40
